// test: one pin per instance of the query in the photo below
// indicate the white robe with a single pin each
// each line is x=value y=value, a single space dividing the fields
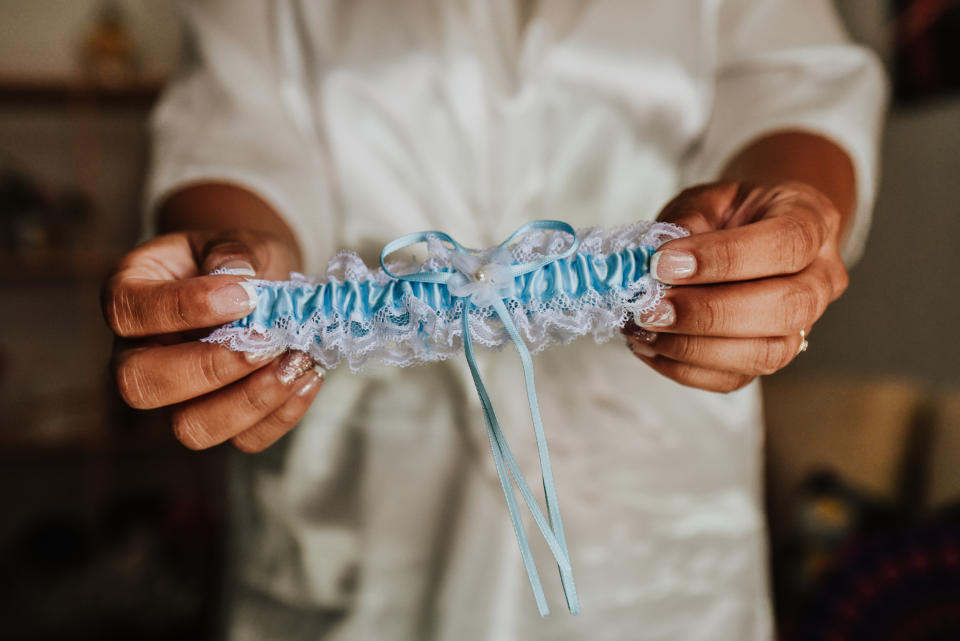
x=380 y=515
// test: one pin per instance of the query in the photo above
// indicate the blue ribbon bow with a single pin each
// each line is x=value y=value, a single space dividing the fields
x=487 y=286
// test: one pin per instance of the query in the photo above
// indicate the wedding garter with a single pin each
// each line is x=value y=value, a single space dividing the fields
x=546 y=284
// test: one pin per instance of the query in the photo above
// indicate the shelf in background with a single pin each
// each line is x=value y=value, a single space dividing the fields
x=56 y=265
x=69 y=90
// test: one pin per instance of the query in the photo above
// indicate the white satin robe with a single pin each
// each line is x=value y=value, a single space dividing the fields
x=380 y=516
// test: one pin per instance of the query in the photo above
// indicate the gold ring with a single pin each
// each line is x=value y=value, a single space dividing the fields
x=804 y=344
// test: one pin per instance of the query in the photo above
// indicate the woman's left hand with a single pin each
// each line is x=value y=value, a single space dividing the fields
x=761 y=264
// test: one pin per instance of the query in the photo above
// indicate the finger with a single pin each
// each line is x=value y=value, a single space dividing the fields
x=135 y=306
x=167 y=257
x=695 y=376
x=748 y=356
x=217 y=417
x=281 y=420
x=778 y=306
x=157 y=375
x=784 y=242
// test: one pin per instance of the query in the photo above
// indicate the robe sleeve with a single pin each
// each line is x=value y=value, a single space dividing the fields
x=788 y=64
x=238 y=111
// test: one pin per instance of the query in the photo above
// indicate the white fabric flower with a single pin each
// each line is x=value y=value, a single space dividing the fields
x=483 y=278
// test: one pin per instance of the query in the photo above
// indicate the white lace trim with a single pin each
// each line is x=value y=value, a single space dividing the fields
x=542 y=324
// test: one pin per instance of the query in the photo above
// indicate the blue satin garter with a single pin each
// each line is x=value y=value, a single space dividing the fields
x=546 y=284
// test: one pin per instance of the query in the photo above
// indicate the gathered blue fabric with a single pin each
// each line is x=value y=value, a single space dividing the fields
x=547 y=293
x=357 y=302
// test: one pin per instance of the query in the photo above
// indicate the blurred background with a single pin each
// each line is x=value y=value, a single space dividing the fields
x=111 y=530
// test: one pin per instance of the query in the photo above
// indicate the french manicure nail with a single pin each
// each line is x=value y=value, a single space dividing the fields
x=311 y=384
x=641 y=348
x=262 y=357
x=236 y=267
x=672 y=264
x=294 y=365
x=663 y=315
x=630 y=328
x=234 y=298
x=645 y=336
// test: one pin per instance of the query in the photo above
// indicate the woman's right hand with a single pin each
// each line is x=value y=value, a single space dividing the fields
x=155 y=301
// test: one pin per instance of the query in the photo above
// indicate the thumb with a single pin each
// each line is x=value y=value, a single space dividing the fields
x=229 y=255
x=701 y=208
x=247 y=253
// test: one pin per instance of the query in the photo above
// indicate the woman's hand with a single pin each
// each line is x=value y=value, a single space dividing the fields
x=154 y=302
x=761 y=264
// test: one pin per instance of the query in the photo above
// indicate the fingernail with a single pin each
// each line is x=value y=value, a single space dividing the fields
x=672 y=264
x=294 y=365
x=262 y=357
x=645 y=336
x=641 y=349
x=663 y=315
x=312 y=382
x=234 y=298
x=634 y=330
x=236 y=267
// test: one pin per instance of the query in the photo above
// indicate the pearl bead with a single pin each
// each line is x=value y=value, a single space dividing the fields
x=480 y=275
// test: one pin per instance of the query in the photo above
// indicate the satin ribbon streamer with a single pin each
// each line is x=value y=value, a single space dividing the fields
x=507 y=468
